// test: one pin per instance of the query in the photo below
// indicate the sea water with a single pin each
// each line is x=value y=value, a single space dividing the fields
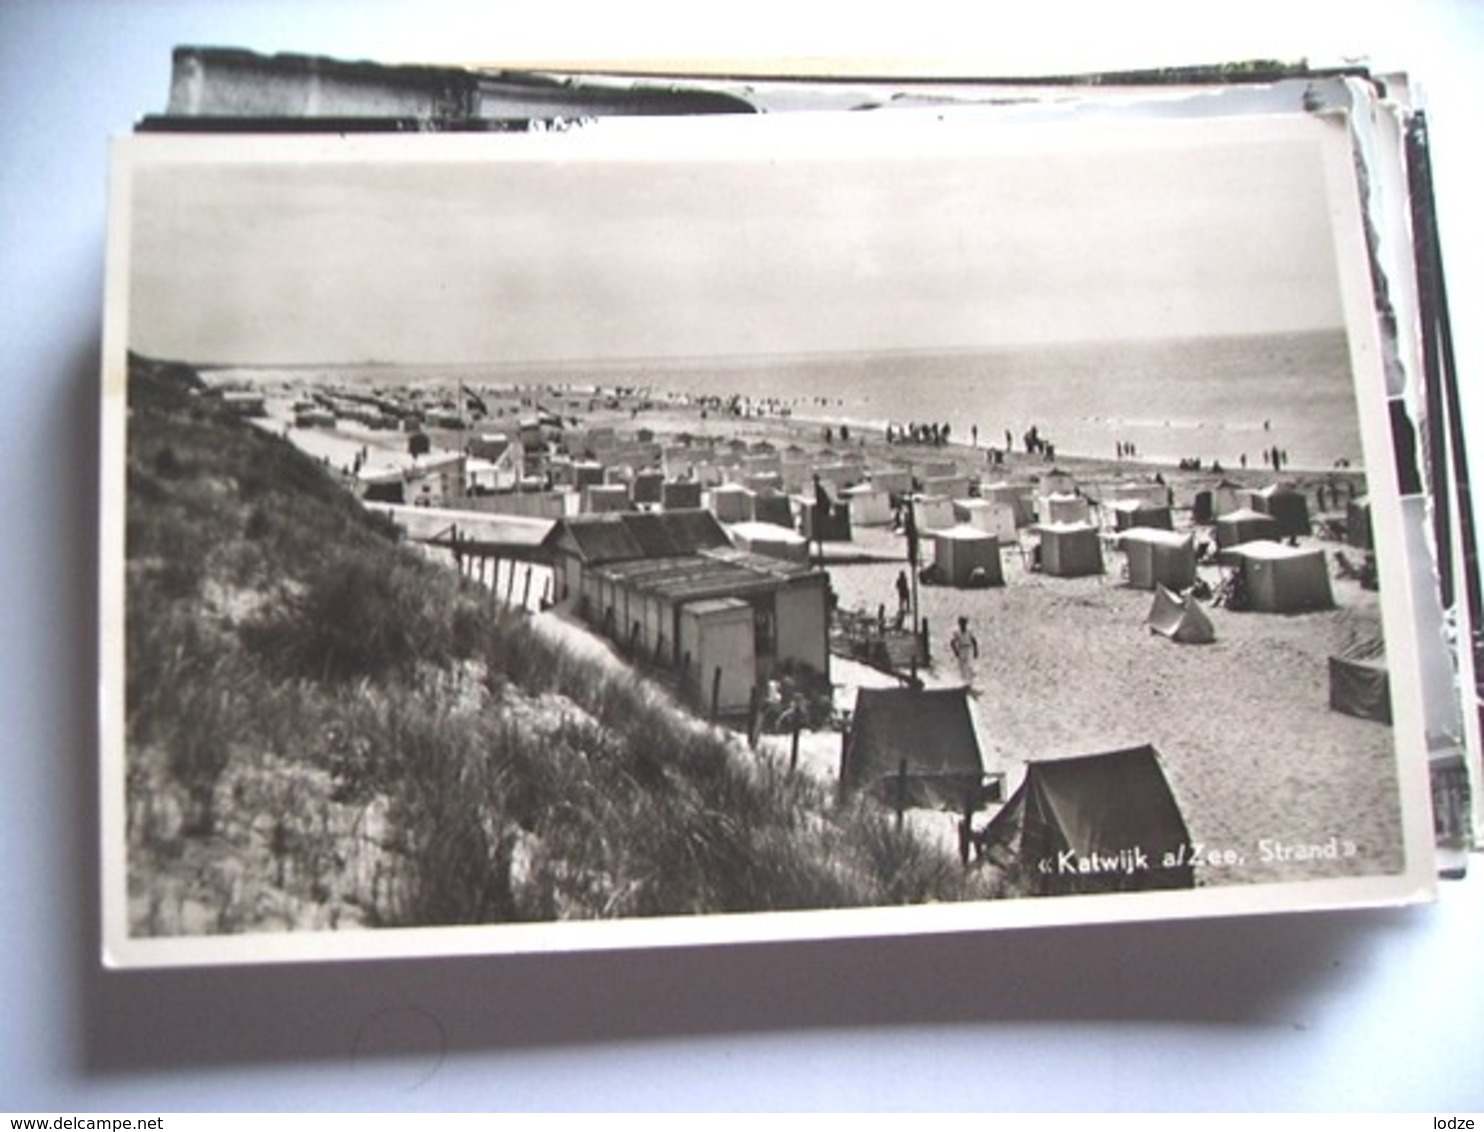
x=1206 y=398
x=1212 y=399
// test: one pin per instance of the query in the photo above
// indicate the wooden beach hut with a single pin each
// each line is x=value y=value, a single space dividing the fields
x=1070 y=550
x=966 y=556
x=717 y=634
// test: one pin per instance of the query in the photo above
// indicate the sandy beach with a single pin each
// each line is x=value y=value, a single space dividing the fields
x=1257 y=761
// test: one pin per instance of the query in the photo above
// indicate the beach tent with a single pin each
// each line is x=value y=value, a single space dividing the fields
x=932 y=513
x=1156 y=494
x=762 y=463
x=1018 y=498
x=771 y=540
x=731 y=503
x=680 y=495
x=870 y=506
x=1061 y=508
x=649 y=487
x=793 y=471
x=988 y=515
x=934 y=469
x=381 y=485
x=1069 y=550
x=762 y=481
x=1245 y=525
x=839 y=474
x=773 y=507
x=1284 y=579
x=1210 y=504
x=599 y=498
x=1158 y=558
x=950 y=486
x=894 y=481
x=966 y=556
x=1180 y=619
x=1358 y=523
x=1058 y=482
x=1287 y=505
x=833 y=526
x=1092 y=824
x=1131 y=513
x=931 y=730
x=1358 y=684
x=586 y=473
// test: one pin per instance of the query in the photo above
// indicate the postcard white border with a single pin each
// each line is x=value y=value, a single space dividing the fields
x=908 y=133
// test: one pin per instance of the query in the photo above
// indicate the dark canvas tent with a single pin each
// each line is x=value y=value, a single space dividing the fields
x=1158 y=558
x=931 y=730
x=1284 y=579
x=1180 y=619
x=1131 y=513
x=1358 y=684
x=1287 y=505
x=1095 y=823
x=1245 y=525
x=1358 y=523
x=967 y=556
x=1070 y=550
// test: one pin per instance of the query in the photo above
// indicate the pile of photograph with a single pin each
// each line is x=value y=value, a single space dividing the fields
x=583 y=511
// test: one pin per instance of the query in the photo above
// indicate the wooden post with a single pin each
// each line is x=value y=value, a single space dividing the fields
x=844 y=758
x=793 y=754
x=926 y=643
x=754 y=715
x=510 y=584
x=525 y=601
x=901 y=793
x=716 y=692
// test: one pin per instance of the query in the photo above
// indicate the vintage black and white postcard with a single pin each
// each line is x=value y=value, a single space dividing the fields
x=679 y=531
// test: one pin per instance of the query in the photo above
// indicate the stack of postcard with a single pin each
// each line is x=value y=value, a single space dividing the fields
x=579 y=511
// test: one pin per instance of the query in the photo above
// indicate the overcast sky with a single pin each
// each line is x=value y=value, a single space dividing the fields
x=571 y=252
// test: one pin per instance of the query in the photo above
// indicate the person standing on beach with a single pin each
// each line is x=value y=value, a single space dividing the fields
x=965 y=648
x=904 y=596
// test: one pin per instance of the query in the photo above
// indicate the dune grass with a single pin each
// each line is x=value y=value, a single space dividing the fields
x=326 y=729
